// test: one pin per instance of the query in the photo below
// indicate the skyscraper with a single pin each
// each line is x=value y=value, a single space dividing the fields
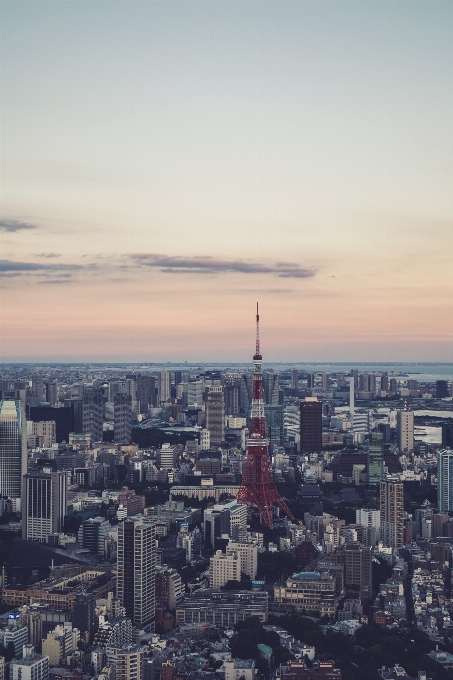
x=392 y=514
x=146 y=391
x=164 y=386
x=310 y=425
x=13 y=448
x=93 y=414
x=441 y=389
x=44 y=504
x=215 y=414
x=445 y=480
x=294 y=379
x=271 y=384
x=136 y=570
x=37 y=387
x=405 y=428
x=375 y=458
x=122 y=418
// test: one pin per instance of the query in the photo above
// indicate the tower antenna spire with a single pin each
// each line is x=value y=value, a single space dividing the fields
x=257 y=349
x=258 y=485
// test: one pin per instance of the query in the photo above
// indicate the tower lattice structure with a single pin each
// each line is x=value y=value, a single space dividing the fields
x=258 y=485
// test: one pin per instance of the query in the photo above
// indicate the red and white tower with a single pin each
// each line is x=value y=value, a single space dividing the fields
x=258 y=486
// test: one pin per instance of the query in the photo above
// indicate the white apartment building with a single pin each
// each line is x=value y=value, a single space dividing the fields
x=370 y=519
x=248 y=555
x=224 y=568
x=31 y=667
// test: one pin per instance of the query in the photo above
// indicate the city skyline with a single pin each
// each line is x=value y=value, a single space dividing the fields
x=165 y=165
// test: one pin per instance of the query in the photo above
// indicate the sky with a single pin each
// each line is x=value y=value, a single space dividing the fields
x=166 y=164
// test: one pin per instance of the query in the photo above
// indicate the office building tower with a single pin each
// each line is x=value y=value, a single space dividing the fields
x=128 y=661
x=116 y=387
x=405 y=429
x=136 y=571
x=384 y=383
x=367 y=382
x=248 y=555
x=392 y=514
x=164 y=386
x=294 y=379
x=205 y=440
x=122 y=418
x=131 y=390
x=310 y=425
x=271 y=385
x=355 y=375
x=215 y=414
x=92 y=535
x=447 y=436
x=369 y=519
x=445 y=480
x=232 y=400
x=52 y=392
x=310 y=380
x=325 y=381
x=43 y=434
x=83 y=615
x=13 y=448
x=93 y=414
x=37 y=388
x=31 y=617
x=441 y=389
x=195 y=394
x=224 y=568
x=167 y=457
x=146 y=392
x=351 y=397
x=376 y=458
x=393 y=385
x=63 y=417
x=44 y=505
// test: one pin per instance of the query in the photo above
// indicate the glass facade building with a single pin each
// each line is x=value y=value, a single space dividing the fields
x=13 y=448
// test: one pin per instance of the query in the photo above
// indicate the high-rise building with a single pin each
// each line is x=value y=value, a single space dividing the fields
x=310 y=425
x=43 y=434
x=441 y=389
x=31 y=617
x=271 y=384
x=92 y=533
x=294 y=379
x=146 y=392
x=224 y=568
x=136 y=570
x=83 y=615
x=52 y=392
x=376 y=458
x=128 y=662
x=93 y=414
x=392 y=514
x=384 y=383
x=445 y=480
x=215 y=414
x=167 y=457
x=164 y=386
x=64 y=418
x=325 y=381
x=248 y=555
x=122 y=418
x=37 y=387
x=370 y=519
x=13 y=448
x=367 y=382
x=405 y=428
x=44 y=504
x=195 y=394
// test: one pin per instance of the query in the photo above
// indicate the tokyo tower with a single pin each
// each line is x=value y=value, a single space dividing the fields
x=258 y=486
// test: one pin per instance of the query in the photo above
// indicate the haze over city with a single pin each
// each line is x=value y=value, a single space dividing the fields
x=166 y=164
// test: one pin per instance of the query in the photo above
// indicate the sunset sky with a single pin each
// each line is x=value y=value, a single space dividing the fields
x=166 y=164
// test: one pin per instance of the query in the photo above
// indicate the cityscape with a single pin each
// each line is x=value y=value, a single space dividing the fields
x=226 y=340
x=231 y=523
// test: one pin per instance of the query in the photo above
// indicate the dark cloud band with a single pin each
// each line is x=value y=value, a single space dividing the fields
x=211 y=265
x=15 y=225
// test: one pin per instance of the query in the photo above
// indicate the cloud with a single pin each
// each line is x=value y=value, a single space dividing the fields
x=47 y=254
x=15 y=225
x=210 y=265
x=12 y=268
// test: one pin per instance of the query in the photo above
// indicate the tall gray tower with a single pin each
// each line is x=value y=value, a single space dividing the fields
x=13 y=449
